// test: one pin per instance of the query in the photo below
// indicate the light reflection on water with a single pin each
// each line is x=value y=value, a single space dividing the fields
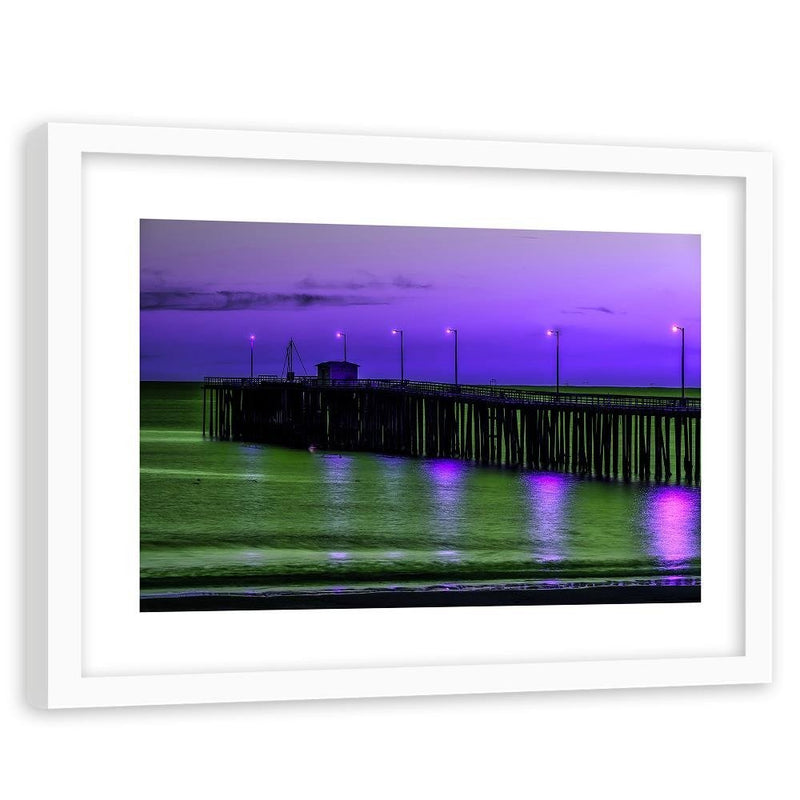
x=337 y=479
x=446 y=478
x=672 y=516
x=217 y=513
x=548 y=494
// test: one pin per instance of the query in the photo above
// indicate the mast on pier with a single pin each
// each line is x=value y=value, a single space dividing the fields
x=288 y=361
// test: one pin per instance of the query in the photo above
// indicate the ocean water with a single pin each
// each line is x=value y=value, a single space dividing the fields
x=233 y=518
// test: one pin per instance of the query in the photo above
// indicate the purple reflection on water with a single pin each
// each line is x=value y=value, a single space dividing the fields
x=547 y=495
x=336 y=473
x=447 y=482
x=392 y=482
x=450 y=556
x=672 y=524
x=673 y=580
x=337 y=468
x=446 y=471
x=338 y=555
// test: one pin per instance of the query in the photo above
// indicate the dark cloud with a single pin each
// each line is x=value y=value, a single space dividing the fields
x=172 y=300
x=369 y=282
x=352 y=285
x=601 y=309
x=402 y=282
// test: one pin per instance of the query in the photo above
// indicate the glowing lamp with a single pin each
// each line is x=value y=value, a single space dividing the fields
x=343 y=336
x=675 y=329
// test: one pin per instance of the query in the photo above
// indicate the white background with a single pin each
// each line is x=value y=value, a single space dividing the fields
x=690 y=74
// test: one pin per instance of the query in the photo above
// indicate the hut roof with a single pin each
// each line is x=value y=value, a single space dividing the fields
x=337 y=364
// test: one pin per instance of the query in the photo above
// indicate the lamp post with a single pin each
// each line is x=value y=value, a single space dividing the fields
x=396 y=331
x=252 y=345
x=557 y=333
x=455 y=338
x=675 y=329
x=343 y=336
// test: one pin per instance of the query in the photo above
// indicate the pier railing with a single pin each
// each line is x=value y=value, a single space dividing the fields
x=514 y=395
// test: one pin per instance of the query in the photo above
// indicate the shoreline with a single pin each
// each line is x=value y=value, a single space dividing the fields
x=398 y=598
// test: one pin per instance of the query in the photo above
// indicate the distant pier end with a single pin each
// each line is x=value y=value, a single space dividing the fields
x=604 y=436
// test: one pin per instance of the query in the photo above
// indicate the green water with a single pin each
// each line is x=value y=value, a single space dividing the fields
x=224 y=517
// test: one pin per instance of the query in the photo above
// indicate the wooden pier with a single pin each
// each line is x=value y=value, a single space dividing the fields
x=605 y=436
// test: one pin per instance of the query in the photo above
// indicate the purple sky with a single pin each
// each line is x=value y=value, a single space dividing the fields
x=207 y=286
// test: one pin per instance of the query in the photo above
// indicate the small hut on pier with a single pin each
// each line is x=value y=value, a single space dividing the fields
x=329 y=372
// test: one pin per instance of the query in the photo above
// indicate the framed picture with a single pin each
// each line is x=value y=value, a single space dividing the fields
x=317 y=416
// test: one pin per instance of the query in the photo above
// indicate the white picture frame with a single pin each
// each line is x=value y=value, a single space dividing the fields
x=60 y=560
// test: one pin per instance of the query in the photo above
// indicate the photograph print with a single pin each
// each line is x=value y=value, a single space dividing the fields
x=356 y=416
